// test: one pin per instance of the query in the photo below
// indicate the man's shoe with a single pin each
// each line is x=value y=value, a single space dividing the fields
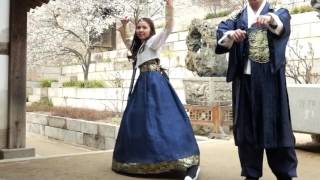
x=192 y=173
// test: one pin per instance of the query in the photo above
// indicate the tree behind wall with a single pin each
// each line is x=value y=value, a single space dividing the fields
x=213 y=6
x=65 y=32
x=135 y=9
x=302 y=66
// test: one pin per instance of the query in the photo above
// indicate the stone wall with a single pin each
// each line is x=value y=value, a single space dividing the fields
x=116 y=71
x=73 y=131
x=304 y=31
x=305 y=107
x=113 y=67
x=111 y=99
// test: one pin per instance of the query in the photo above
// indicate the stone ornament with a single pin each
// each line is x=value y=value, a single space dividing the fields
x=258 y=45
x=201 y=43
x=197 y=92
x=316 y=5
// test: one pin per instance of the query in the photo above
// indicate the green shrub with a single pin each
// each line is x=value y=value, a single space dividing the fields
x=223 y=13
x=219 y=14
x=306 y=9
x=85 y=84
x=107 y=59
x=93 y=84
x=301 y=9
x=210 y=16
x=46 y=83
x=71 y=84
x=45 y=104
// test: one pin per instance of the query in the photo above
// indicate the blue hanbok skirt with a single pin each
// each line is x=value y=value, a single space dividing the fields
x=155 y=134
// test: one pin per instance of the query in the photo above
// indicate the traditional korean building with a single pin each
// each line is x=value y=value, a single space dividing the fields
x=13 y=34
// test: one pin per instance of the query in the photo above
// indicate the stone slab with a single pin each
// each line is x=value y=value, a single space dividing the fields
x=37 y=118
x=73 y=137
x=17 y=153
x=74 y=124
x=89 y=127
x=58 y=122
x=107 y=130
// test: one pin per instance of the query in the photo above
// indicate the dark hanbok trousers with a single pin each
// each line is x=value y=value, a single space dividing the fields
x=256 y=127
x=282 y=161
x=155 y=134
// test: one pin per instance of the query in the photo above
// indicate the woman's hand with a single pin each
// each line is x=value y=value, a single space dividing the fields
x=169 y=3
x=125 y=21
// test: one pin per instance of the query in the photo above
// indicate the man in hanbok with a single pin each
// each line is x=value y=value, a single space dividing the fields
x=256 y=38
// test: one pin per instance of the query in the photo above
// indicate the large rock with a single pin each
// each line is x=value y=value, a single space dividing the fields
x=316 y=5
x=201 y=43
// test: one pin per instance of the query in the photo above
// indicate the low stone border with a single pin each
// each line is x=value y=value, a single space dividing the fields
x=75 y=131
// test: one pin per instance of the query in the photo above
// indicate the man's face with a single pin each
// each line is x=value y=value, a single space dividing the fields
x=255 y=3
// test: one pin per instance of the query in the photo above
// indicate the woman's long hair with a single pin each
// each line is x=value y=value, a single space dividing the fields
x=136 y=42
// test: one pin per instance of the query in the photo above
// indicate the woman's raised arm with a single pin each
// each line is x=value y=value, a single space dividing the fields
x=160 y=38
x=125 y=32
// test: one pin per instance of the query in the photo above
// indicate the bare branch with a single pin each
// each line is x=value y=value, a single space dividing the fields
x=303 y=67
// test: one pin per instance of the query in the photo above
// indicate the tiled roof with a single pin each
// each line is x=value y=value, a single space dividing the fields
x=35 y=3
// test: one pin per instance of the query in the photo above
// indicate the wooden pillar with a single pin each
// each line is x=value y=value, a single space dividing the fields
x=17 y=75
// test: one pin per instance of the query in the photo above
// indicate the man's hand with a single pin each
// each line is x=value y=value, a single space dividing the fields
x=238 y=35
x=264 y=20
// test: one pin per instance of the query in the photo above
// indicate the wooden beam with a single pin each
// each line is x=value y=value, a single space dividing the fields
x=17 y=75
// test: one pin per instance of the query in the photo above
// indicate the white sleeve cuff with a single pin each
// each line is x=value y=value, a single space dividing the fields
x=226 y=41
x=277 y=22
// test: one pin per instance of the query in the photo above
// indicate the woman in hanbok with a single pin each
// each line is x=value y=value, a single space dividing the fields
x=155 y=134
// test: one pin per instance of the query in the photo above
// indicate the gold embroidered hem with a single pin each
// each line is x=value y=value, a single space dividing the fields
x=155 y=168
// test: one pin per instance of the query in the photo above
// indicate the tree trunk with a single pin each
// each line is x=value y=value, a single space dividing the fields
x=86 y=66
x=85 y=74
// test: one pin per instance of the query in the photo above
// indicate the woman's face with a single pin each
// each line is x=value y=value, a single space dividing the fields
x=143 y=30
